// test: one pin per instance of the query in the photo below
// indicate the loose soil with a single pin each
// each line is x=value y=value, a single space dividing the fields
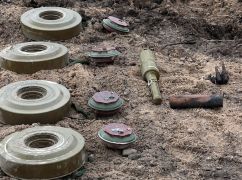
x=189 y=38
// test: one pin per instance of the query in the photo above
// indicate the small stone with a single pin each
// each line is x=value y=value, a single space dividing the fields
x=126 y=92
x=134 y=156
x=137 y=20
x=108 y=3
x=97 y=26
x=239 y=90
x=158 y=1
x=75 y=116
x=132 y=64
x=153 y=164
x=132 y=12
x=126 y=99
x=153 y=6
x=91 y=158
x=35 y=124
x=117 y=161
x=140 y=167
x=72 y=74
x=190 y=131
x=209 y=158
x=127 y=152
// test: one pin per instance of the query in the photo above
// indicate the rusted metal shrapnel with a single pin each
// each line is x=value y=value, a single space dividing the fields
x=196 y=101
x=221 y=77
x=151 y=74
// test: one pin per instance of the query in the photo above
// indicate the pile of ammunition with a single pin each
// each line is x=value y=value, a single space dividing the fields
x=49 y=151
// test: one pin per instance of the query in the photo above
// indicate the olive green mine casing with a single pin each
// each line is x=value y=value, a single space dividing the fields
x=151 y=74
x=196 y=101
x=42 y=152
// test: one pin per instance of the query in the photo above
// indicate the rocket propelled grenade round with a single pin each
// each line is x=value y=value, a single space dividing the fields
x=151 y=74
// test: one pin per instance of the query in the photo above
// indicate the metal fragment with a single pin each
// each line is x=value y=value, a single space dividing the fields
x=196 y=101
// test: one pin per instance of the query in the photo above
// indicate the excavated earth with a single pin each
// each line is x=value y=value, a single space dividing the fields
x=189 y=38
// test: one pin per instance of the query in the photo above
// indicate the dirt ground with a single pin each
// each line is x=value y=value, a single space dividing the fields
x=189 y=38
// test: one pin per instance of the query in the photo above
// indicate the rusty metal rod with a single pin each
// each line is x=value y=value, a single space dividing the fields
x=196 y=101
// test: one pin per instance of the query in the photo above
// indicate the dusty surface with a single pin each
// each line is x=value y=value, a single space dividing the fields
x=189 y=39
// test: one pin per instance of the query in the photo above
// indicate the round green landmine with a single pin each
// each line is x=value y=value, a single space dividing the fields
x=33 y=101
x=30 y=57
x=51 y=23
x=43 y=152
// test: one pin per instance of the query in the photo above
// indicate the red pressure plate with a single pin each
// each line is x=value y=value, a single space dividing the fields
x=105 y=97
x=118 y=21
x=117 y=129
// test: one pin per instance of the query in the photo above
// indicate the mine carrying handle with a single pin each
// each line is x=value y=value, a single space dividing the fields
x=196 y=101
x=151 y=74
